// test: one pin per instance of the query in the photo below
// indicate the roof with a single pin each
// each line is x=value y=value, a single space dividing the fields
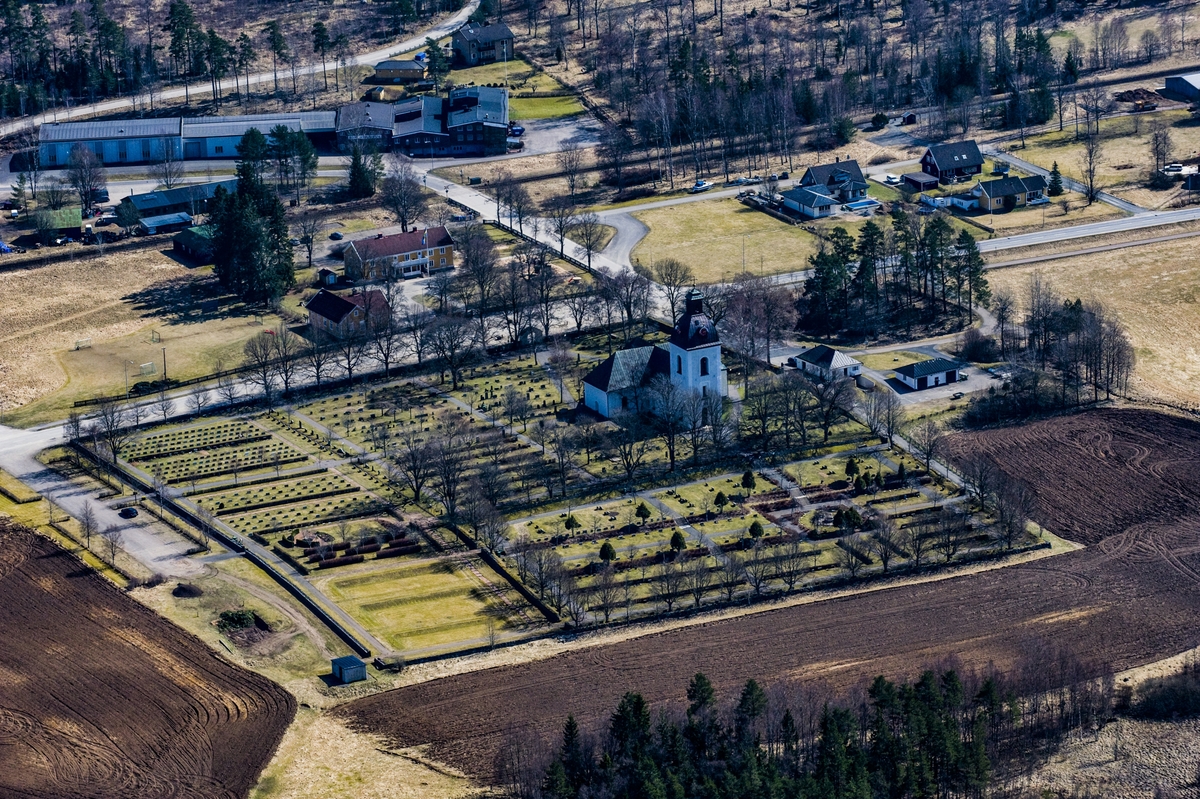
x=418 y=115
x=827 y=174
x=365 y=115
x=926 y=368
x=371 y=299
x=484 y=34
x=346 y=661
x=956 y=154
x=826 y=357
x=629 y=368
x=478 y=104
x=237 y=126
x=1193 y=79
x=110 y=129
x=810 y=196
x=406 y=64
x=192 y=192
x=323 y=271
x=64 y=218
x=195 y=237
x=181 y=218
x=919 y=177
x=694 y=328
x=329 y=305
x=399 y=243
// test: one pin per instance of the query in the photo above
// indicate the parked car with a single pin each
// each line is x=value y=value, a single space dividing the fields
x=753 y=180
x=891 y=179
x=783 y=176
x=516 y=130
x=957 y=395
x=128 y=513
x=1173 y=168
x=336 y=235
x=701 y=185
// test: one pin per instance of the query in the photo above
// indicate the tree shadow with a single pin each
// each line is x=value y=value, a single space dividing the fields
x=188 y=299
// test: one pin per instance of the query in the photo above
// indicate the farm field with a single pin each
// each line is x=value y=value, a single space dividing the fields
x=1153 y=289
x=1120 y=481
x=115 y=301
x=113 y=700
x=1124 y=155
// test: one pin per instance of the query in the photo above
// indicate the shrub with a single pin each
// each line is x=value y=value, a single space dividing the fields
x=977 y=347
x=607 y=552
x=756 y=529
x=879 y=120
x=678 y=544
x=235 y=620
x=748 y=481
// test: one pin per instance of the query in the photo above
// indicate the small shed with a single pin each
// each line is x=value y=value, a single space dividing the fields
x=349 y=669
x=326 y=277
x=908 y=118
x=167 y=223
x=1186 y=86
x=64 y=221
x=919 y=181
x=1192 y=182
x=195 y=243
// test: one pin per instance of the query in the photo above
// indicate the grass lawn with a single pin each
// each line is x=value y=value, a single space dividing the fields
x=522 y=79
x=1155 y=291
x=426 y=606
x=606 y=235
x=887 y=361
x=522 y=109
x=1124 y=156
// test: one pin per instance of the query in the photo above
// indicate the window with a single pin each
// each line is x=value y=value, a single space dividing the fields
x=704 y=366
x=678 y=365
x=122 y=150
x=220 y=149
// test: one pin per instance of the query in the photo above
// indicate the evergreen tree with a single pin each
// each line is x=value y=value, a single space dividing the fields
x=362 y=176
x=1055 y=188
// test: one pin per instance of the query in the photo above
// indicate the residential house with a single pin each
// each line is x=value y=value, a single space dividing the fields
x=340 y=317
x=927 y=374
x=469 y=121
x=953 y=162
x=1006 y=193
x=828 y=363
x=412 y=254
x=166 y=223
x=400 y=71
x=812 y=202
x=369 y=125
x=843 y=180
x=195 y=243
x=482 y=44
x=194 y=198
x=691 y=359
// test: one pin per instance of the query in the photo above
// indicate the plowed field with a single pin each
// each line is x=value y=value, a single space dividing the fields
x=1123 y=482
x=100 y=697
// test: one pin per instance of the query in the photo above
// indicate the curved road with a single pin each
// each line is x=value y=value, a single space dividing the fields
x=441 y=29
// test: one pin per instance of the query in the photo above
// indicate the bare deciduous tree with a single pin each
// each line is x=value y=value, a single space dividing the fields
x=926 y=438
x=401 y=192
x=1089 y=163
x=674 y=277
x=570 y=162
x=167 y=171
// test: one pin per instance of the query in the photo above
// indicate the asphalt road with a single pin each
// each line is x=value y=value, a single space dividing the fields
x=441 y=29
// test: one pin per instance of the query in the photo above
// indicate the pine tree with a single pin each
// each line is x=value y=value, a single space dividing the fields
x=362 y=177
x=1056 y=182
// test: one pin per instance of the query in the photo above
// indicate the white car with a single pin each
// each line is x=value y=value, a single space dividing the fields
x=891 y=180
x=701 y=185
x=1173 y=168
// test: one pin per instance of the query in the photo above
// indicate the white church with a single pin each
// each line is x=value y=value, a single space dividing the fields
x=692 y=359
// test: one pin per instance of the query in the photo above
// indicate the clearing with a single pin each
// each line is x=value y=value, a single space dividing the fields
x=1146 y=286
x=1122 y=480
x=112 y=700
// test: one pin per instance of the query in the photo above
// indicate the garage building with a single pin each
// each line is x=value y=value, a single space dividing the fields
x=927 y=374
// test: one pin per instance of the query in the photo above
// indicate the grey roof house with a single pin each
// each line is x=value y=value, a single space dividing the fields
x=927 y=374
x=843 y=180
x=952 y=162
x=482 y=44
x=827 y=362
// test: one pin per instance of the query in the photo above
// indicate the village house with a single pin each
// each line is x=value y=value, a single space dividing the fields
x=691 y=359
x=843 y=180
x=400 y=71
x=953 y=162
x=927 y=374
x=811 y=202
x=827 y=363
x=482 y=44
x=340 y=317
x=1007 y=193
x=412 y=254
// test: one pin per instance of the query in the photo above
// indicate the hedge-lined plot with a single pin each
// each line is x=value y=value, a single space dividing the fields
x=278 y=493
x=269 y=520
x=191 y=439
x=204 y=464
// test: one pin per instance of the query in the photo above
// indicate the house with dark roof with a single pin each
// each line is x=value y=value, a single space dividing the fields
x=369 y=125
x=195 y=243
x=919 y=181
x=843 y=180
x=1007 y=193
x=950 y=163
x=400 y=70
x=193 y=198
x=164 y=223
x=927 y=374
x=827 y=363
x=469 y=121
x=404 y=255
x=482 y=44
x=339 y=316
x=691 y=359
x=812 y=202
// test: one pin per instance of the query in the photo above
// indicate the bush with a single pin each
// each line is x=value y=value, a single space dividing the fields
x=1177 y=696
x=879 y=120
x=607 y=552
x=756 y=529
x=1160 y=180
x=977 y=347
x=843 y=130
x=235 y=620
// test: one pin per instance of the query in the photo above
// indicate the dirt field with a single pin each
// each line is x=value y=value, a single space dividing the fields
x=103 y=698
x=1128 y=599
x=1153 y=289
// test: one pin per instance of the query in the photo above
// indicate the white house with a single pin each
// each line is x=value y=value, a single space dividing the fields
x=691 y=358
x=828 y=363
x=927 y=374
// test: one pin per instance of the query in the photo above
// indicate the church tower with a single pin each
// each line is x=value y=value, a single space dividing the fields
x=695 y=350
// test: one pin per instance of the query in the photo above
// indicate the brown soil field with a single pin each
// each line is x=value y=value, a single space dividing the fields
x=1118 y=480
x=104 y=698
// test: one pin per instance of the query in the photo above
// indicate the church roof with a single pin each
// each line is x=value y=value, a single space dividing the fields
x=629 y=368
x=694 y=328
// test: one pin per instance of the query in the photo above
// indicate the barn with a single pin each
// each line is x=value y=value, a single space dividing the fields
x=1186 y=86
x=349 y=669
x=927 y=374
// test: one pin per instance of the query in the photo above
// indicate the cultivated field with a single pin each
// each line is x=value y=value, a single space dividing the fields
x=1153 y=288
x=106 y=699
x=1119 y=480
